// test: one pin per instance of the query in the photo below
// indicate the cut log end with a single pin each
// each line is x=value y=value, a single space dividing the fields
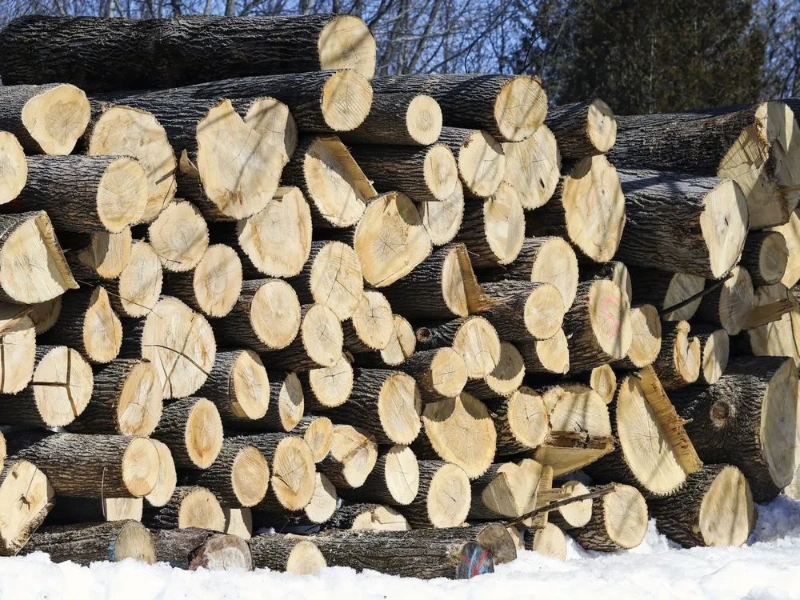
x=140 y=467
x=716 y=351
x=508 y=374
x=550 y=541
x=26 y=498
x=442 y=219
x=45 y=315
x=331 y=386
x=399 y=407
x=272 y=119
x=239 y=522
x=557 y=265
x=646 y=335
x=510 y=493
x=203 y=434
x=479 y=345
x=122 y=194
x=372 y=320
x=424 y=120
x=449 y=497
x=381 y=518
x=305 y=559
x=527 y=417
x=481 y=163
x=722 y=520
x=167 y=478
x=13 y=167
x=402 y=343
x=179 y=236
x=609 y=316
x=724 y=226
x=140 y=282
x=773 y=257
x=354 y=455
x=603 y=380
x=319 y=436
x=448 y=373
x=347 y=43
x=108 y=253
x=200 y=508
x=275 y=314
x=681 y=287
x=293 y=473
x=321 y=333
x=17 y=350
x=133 y=541
x=440 y=172
x=217 y=280
x=336 y=279
x=520 y=108
x=778 y=424
x=533 y=167
x=401 y=474
x=57 y=118
x=624 y=516
x=553 y=354
x=62 y=386
x=291 y=402
x=140 y=400
x=249 y=476
x=102 y=329
x=323 y=502
x=576 y=514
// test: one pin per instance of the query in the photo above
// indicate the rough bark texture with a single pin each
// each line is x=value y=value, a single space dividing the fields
x=678 y=362
x=396 y=120
x=663 y=290
x=173 y=430
x=169 y=515
x=765 y=256
x=85 y=544
x=573 y=126
x=193 y=548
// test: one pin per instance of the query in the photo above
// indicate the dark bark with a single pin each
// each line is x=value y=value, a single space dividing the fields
x=88 y=543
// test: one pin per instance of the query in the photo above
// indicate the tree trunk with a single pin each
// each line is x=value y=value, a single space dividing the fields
x=195 y=548
x=523 y=310
x=179 y=236
x=730 y=304
x=127 y=53
x=619 y=522
x=665 y=290
x=352 y=457
x=393 y=481
x=86 y=543
x=190 y=506
x=443 y=498
x=493 y=228
x=506 y=490
x=678 y=363
x=327 y=387
x=192 y=430
x=99 y=254
x=646 y=338
x=504 y=380
x=286 y=553
x=139 y=285
x=480 y=159
x=546 y=356
x=319 y=344
x=371 y=326
x=582 y=129
x=533 y=167
x=473 y=338
x=765 y=256
x=26 y=497
x=399 y=119
x=521 y=420
x=236 y=385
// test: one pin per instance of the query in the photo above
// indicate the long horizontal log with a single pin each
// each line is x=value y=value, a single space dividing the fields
x=583 y=128
x=85 y=544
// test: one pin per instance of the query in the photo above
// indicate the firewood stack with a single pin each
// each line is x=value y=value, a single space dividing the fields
x=250 y=291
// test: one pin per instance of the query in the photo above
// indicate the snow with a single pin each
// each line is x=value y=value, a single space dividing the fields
x=768 y=568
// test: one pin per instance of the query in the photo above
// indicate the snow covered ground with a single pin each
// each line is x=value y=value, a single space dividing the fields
x=768 y=568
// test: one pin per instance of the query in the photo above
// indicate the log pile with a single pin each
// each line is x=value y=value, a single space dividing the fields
x=251 y=292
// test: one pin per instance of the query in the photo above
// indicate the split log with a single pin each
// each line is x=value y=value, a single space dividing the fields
x=84 y=193
x=200 y=548
x=46 y=119
x=443 y=498
x=390 y=240
x=614 y=270
x=402 y=344
x=88 y=323
x=583 y=129
x=598 y=326
x=327 y=387
x=765 y=256
x=714 y=508
x=645 y=457
x=238 y=522
x=44 y=315
x=509 y=107
x=548 y=540
x=714 y=352
x=505 y=490
x=286 y=553
x=352 y=457
x=179 y=236
x=522 y=422
x=139 y=286
x=17 y=348
x=331 y=277
x=442 y=219
x=213 y=286
x=367 y=517
x=399 y=119
x=192 y=430
x=71 y=511
x=126 y=400
x=459 y=430
x=28 y=239
x=493 y=228
x=678 y=363
x=576 y=514
x=394 y=480
x=587 y=209
x=428 y=174
x=729 y=305
x=91 y=466
x=523 y=310
x=480 y=159
x=665 y=290
x=27 y=498
x=747 y=419
x=747 y=145
x=706 y=230
x=187 y=50
x=791 y=233
x=59 y=392
x=442 y=286
x=334 y=185
x=239 y=476
x=319 y=343
x=85 y=544
x=646 y=338
x=473 y=338
x=439 y=373
x=167 y=478
x=236 y=385
x=619 y=522
x=126 y=131
x=504 y=380
x=533 y=167
x=190 y=506
x=99 y=254
x=317 y=433
x=371 y=326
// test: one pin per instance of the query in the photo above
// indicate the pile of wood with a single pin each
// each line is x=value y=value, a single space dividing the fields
x=261 y=309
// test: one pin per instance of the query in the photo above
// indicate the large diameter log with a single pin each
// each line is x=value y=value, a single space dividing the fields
x=17 y=348
x=15 y=167
x=166 y=53
x=678 y=363
x=443 y=499
x=730 y=304
x=59 y=392
x=546 y=356
x=139 y=286
x=179 y=236
x=352 y=457
x=428 y=174
x=505 y=490
x=480 y=158
x=190 y=506
x=286 y=553
x=474 y=338
x=521 y=310
x=714 y=352
x=644 y=456
x=598 y=326
x=371 y=326
x=439 y=373
x=85 y=544
x=126 y=400
x=747 y=419
x=334 y=185
x=27 y=497
x=522 y=421
x=196 y=548
x=214 y=286
x=399 y=119
x=587 y=208
x=32 y=266
x=706 y=229
x=533 y=167
x=84 y=193
x=583 y=128
x=237 y=385
x=791 y=233
x=239 y=476
x=509 y=107
x=664 y=290
x=493 y=228
x=505 y=379
x=92 y=466
x=442 y=219
x=103 y=254
x=46 y=119
x=714 y=508
x=748 y=145
x=69 y=511
x=619 y=521
x=192 y=430
x=765 y=256
x=645 y=338
x=390 y=240
x=319 y=343
x=328 y=387
x=460 y=430
x=89 y=324
x=394 y=480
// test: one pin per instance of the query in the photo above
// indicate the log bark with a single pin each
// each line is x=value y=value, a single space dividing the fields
x=473 y=338
x=137 y=290
x=200 y=548
x=236 y=385
x=352 y=457
x=443 y=498
x=399 y=119
x=480 y=159
x=533 y=167
x=27 y=498
x=765 y=256
x=583 y=128
x=521 y=420
x=522 y=310
x=190 y=506
x=619 y=521
x=664 y=290
x=393 y=481
x=192 y=430
x=286 y=553
x=678 y=363
x=366 y=517
x=730 y=304
x=86 y=543
x=493 y=228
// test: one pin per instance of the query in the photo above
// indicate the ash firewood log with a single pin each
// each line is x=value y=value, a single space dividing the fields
x=88 y=543
x=779 y=337
x=352 y=457
x=192 y=430
x=15 y=171
x=44 y=314
x=402 y=344
x=583 y=128
x=493 y=228
x=747 y=419
x=678 y=363
x=236 y=385
x=70 y=511
x=618 y=522
x=126 y=400
x=167 y=478
x=426 y=174
x=574 y=515
x=319 y=343
x=91 y=466
x=714 y=352
x=123 y=54
x=190 y=506
x=330 y=179
x=393 y=481
x=548 y=540
x=213 y=286
x=399 y=119
x=361 y=516
x=286 y=553
x=550 y=356
x=238 y=477
x=473 y=337
x=322 y=506
x=60 y=389
x=27 y=497
x=439 y=373
x=443 y=498
x=614 y=270
x=506 y=490
x=480 y=159
x=179 y=236
x=138 y=287
x=714 y=508
x=533 y=167
x=646 y=338
x=791 y=233
x=286 y=404
x=746 y=144
x=32 y=265
x=442 y=219
x=46 y=119
x=504 y=380
x=317 y=433
x=99 y=254
x=523 y=310
x=522 y=421
x=327 y=387
x=664 y=290
x=587 y=209
x=84 y=193
x=765 y=256
x=194 y=548
x=88 y=324
x=238 y=522
x=17 y=348
x=509 y=107
x=729 y=305
x=371 y=326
